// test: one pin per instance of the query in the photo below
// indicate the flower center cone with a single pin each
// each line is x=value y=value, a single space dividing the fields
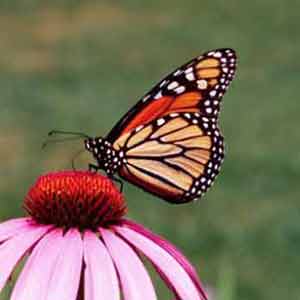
x=80 y=199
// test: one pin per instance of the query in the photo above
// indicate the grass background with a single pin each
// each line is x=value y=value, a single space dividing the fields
x=79 y=65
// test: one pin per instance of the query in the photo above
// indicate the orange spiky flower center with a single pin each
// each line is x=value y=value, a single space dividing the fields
x=80 y=199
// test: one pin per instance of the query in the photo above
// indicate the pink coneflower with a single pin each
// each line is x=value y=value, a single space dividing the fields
x=78 y=245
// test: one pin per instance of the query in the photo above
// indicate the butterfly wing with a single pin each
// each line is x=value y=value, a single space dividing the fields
x=175 y=157
x=197 y=86
x=170 y=140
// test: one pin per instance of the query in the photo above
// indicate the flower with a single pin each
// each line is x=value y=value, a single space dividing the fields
x=78 y=245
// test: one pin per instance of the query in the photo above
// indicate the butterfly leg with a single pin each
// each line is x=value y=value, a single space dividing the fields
x=73 y=165
x=119 y=181
x=93 y=167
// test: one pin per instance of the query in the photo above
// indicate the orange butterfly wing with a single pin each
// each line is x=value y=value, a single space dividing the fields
x=197 y=86
x=175 y=157
x=170 y=139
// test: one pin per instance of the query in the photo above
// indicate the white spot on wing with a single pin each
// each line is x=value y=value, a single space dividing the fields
x=189 y=70
x=139 y=128
x=217 y=54
x=173 y=85
x=163 y=83
x=212 y=93
x=160 y=121
x=202 y=84
x=180 y=89
x=158 y=95
x=177 y=72
x=190 y=76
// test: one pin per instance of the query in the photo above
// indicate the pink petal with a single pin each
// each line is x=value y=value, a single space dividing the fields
x=12 y=250
x=34 y=279
x=12 y=227
x=100 y=278
x=171 y=249
x=166 y=263
x=64 y=282
x=135 y=281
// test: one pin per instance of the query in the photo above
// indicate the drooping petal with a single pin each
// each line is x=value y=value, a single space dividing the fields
x=173 y=271
x=34 y=279
x=100 y=277
x=64 y=282
x=12 y=227
x=171 y=249
x=13 y=250
x=176 y=253
x=135 y=280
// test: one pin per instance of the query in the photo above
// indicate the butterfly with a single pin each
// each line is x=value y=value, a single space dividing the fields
x=169 y=143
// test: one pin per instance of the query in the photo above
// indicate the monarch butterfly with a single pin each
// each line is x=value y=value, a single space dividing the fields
x=169 y=143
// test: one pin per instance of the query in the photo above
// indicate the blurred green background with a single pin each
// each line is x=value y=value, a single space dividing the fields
x=80 y=65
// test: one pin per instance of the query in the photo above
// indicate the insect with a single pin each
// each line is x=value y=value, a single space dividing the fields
x=169 y=143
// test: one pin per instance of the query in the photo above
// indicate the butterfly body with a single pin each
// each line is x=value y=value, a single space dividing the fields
x=169 y=143
x=107 y=157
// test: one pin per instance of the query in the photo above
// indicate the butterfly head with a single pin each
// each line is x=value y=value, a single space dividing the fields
x=107 y=157
x=95 y=146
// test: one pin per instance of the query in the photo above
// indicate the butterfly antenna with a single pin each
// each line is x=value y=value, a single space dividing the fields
x=62 y=132
x=74 y=136
x=55 y=141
